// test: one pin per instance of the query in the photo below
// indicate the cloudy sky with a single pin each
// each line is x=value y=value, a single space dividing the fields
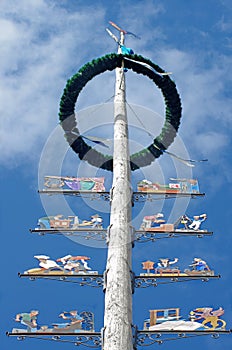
x=45 y=42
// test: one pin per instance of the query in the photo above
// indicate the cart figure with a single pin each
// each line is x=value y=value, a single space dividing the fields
x=93 y=184
x=188 y=186
x=71 y=222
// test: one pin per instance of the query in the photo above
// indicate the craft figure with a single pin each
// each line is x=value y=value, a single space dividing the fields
x=71 y=222
x=199 y=265
x=148 y=265
x=187 y=223
x=45 y=262
x=72 y=263
x=209 y=317
x=66 y=264
x=199 y=319
x=152 y=220
x=196 y=221
x=178 y=186
x=74 y=321
x=165 y=264
x=93 y=184
x=28 y=319
x=96 y=221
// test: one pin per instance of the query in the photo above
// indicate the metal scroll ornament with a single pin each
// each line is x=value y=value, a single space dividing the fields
x=109 y=62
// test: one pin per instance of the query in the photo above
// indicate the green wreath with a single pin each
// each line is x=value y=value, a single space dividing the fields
x=140 y=65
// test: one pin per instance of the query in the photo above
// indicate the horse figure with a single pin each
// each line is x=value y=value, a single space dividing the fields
x=209 y=317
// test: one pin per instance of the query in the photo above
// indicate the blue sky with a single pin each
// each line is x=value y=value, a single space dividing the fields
x=43 y=43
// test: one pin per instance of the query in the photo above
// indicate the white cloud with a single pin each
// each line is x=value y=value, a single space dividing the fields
x=44 y=44
x=41 y=44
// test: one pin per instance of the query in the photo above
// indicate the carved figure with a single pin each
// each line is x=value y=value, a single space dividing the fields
x=28 y=319
x=45 y=262
x=75 y=321
x=199 y=265
x=196 y=221
x=185 y=222
x=71 y=263
x=211 y=318
x=164 y=264
x=71 y=222
x=96 y=221
x=152 y=220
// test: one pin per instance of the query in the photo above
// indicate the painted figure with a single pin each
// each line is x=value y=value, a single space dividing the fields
x=72 y=263
x=205 y=318
x=187 y=223
x=165 y=264
x=209 y=317
x=152 y=220
x=70 y=222
x=177 y=186
x=92 y=184
x=66 y=264
x=96 y=221
x=28 y=319
x=199 y=265
x=74 y=321
x=45 y=262
x=196 y=221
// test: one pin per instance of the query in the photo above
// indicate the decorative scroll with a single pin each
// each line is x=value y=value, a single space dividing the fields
x=92 y=184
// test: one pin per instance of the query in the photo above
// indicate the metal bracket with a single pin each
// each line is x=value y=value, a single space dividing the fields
x=102 y=337
x=105 y=280
x=132 y=282
x=108 y=234
x=111 y=194
x=133 y=238
x=134 y=336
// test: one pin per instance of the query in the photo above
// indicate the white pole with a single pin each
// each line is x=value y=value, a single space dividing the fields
x=118 y=295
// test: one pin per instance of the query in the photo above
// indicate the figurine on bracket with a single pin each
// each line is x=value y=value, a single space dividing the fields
x=186 y=223
x=199 y=319
x=71 y=222
x=208 y=317
x=157 y=223
x=68 y=264
x=186 y=186
x=92 y=184
x=74 y=322
x=165 y=267
x=199 y=265
x=96 y=221
x=28 y=319
x=76 y=264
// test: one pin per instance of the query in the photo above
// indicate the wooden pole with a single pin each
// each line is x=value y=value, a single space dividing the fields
x=118 y=292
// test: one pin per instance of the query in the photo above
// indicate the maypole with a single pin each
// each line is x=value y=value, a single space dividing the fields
x=118 y=295
x=118 y=280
